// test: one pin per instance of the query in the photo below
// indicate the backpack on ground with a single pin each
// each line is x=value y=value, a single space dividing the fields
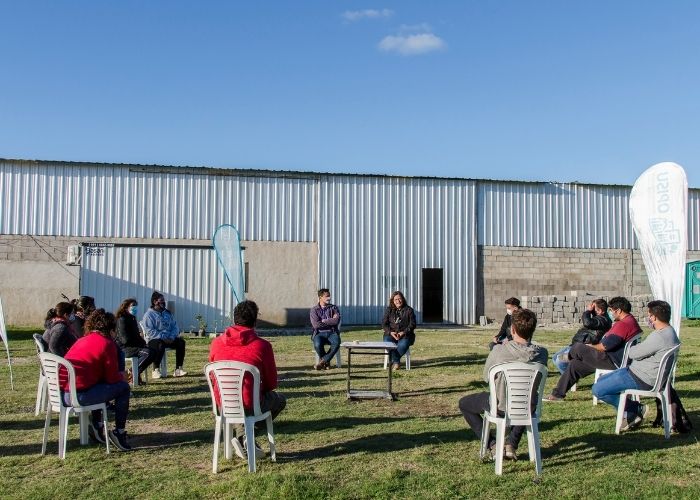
x=679 y=418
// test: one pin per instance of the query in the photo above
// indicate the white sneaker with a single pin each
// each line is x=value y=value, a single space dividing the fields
x=156 y=373
x=242 y=450
x=259 y=452
x=179 y=373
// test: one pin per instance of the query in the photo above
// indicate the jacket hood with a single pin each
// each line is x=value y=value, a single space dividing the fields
x=526 y=352
x=239 y=335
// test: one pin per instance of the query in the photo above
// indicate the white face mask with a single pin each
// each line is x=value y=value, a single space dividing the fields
x=650 y=323
x=509 y=312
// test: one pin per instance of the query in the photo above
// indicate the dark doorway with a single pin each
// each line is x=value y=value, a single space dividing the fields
x=432 y=295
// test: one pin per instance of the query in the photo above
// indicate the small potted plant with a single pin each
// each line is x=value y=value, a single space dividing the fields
x=202 y=324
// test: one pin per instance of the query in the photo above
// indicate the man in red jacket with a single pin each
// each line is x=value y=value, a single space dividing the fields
x=240 y=343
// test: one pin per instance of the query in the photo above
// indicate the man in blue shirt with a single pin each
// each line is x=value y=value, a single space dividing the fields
x=161 y=332
x=325 y=321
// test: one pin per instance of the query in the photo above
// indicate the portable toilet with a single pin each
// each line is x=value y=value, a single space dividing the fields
x=691 y=304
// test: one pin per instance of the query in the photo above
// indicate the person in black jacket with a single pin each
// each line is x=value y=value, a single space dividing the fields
x=59 y=335
x=83 y=305
x=399 y=323
x=596 y=323
x=512 y=304
x=129 y=337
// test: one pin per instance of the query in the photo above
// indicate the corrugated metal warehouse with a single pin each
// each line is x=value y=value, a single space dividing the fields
x=456 y=247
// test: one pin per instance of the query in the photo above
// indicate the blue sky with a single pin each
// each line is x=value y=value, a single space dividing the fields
x=592 y=91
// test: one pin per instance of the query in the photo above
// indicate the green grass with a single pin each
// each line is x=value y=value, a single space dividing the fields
x=415 y=447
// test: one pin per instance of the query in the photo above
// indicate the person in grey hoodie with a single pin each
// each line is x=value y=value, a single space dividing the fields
x=518 y=349
x=644 y=368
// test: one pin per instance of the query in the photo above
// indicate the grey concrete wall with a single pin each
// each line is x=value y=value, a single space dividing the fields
x=523 y=271
x=282 y=280
x=33 y=275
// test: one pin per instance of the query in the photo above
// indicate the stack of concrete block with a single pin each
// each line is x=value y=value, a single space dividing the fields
x=568 y=308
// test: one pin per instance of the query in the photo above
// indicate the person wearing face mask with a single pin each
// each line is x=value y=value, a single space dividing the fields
x=129 y=338
x=59 y=336
x=642 y=372
x=161 y=331
x=84 y=305
x=399 y=323
x=98 y=377
x=596 y=323
x=512 y=304
x=606 y=354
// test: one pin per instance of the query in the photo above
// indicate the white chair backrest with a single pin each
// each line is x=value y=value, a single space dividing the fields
x=666 y=367
x=625 y=354
x=40 y=343
x=51 y=364
x=523 y=382
x=229 y=383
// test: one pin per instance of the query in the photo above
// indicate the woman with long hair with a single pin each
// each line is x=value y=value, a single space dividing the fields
x=129 y=338
x=84 y=305
x=59 y=335
x=98 y=378
x=399 y=323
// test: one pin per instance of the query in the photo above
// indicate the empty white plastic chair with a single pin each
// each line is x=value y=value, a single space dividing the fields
x=229 y=384
x=661 y=391
x=134 y=360
x=407 y=357
x=52 y=364
x=524 y=381
x=41 y=389
x=599 y=372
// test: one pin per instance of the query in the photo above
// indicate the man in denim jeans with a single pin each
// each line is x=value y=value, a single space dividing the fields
x=325 y=320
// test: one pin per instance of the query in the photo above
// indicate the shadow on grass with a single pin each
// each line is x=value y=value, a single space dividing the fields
x=377 y=443
x=333 y=424
x=457 y=360
x=570 y=451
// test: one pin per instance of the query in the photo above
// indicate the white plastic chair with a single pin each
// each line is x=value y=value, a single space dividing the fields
x=661 y=390
x=407 y=357
x=229 y=383
x=599 y=372
x=521 y=380
x=41 y=389
x=52 y=364
x=134 y=360
x=338 y=363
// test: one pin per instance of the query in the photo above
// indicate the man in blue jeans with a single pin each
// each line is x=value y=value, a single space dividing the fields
x=325 y=321
x=642 y=372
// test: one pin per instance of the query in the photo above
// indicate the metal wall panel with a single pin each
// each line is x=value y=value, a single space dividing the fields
x=376 y=235
x=694 y=219
x=554 y=215
x=188 y=277
x=116 y=201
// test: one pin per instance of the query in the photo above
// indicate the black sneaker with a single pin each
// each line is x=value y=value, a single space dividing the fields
x=119 y=440
x=96 y=433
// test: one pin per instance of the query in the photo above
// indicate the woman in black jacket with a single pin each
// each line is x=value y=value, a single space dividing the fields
x=129 y=337
x=59 y=334
x=399 y=322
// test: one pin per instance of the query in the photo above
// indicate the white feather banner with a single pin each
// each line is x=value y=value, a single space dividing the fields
x=3 y=336
x=659 y=214
x=227 y=244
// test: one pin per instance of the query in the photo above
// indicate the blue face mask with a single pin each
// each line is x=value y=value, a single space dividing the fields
x=133 y=310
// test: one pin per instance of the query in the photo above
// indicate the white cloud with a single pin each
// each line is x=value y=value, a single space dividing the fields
x=409 y=45
x=357 y=15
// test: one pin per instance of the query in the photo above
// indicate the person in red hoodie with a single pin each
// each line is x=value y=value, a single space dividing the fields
x=240 y=343
x=97 y=377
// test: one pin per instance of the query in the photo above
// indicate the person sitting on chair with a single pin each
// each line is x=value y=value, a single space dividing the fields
x=325 y=321
x=518 y=349
x=399 y=323
x=129 y=337
x=596 y=323
x=605 y=355
x=97 y=376
x=642 y=372
x=240 y=343
x=512 y=304
x=59 y=336
x=84 y=305
x=161 y=331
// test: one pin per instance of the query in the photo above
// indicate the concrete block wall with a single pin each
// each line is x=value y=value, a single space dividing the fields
x=568 y=308
x=524 y=271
